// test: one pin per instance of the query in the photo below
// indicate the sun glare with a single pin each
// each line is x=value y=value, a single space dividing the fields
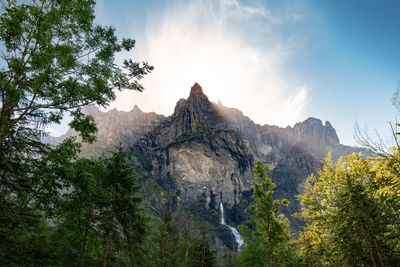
x=227 y=68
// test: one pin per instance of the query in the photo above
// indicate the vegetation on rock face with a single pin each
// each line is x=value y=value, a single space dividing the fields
x=196 y=135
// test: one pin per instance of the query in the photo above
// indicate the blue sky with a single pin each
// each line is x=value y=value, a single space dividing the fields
x=279 y=62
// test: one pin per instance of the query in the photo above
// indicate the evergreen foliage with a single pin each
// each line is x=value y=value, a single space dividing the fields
x=351 y=212
x=270 y=243
x=178 y=240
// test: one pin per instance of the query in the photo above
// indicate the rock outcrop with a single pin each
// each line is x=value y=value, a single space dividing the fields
x=203 y=154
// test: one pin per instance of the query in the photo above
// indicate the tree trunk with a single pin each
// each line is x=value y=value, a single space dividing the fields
x=106 y=249
x=381 y=260
x=109 y=227
x=187 y=250
x=271 y=259
x=203 y=255
x=85 y=236
x=83 y=249
x=364 y=231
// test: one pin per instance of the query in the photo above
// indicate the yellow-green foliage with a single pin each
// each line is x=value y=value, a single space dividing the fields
x=351 y=212
x=388 y=176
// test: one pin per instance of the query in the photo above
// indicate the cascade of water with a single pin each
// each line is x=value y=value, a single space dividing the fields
x=234 y=231
x=221 y=208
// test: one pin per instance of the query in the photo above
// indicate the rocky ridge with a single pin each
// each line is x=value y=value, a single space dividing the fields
x=203 y=154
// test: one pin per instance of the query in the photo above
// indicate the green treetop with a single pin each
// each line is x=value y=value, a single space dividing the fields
x=54 y=59
x=351 y=213
x=269 y=243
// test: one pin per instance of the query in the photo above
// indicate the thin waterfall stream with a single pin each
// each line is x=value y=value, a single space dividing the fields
x=234 y=231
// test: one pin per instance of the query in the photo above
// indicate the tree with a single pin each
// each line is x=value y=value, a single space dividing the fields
x=349 y=218
x=100 y=218
x=229 y=258
x=270 y=243
x=200 y=252
x=178 y=240
x=77 y=217
x=24 y=230
x=56 y=60
x=376 y=145
x=122 y=217
x=53 y=61
x=25 y=237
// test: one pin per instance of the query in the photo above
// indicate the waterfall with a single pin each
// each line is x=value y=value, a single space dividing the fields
x=234 y=231
x=221 y=208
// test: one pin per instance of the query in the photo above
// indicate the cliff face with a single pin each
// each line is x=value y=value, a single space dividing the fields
x=116 y=127
x=196 y=156
x=203 y=155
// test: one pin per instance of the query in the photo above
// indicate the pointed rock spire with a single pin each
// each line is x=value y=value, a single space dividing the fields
x=196 y=92
x=196 y=113
x=136 y=109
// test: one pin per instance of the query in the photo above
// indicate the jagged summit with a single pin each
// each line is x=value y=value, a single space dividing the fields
x=136 y=109
x=196 y=92
x=197 y=102
x=91 y=110
x=195 y=113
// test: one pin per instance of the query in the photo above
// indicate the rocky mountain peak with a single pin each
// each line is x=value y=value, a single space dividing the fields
x=196 y=107
x=328 y=124
x=312 y=122
x=196 y=93
x=196 y=102
x=313 y=130
x=194 y=114
x=136 y=109
x=91 y=110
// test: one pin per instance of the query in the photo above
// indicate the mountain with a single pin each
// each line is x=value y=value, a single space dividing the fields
x=202 y=156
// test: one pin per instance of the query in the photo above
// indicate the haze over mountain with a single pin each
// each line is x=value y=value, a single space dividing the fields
x=203 y=155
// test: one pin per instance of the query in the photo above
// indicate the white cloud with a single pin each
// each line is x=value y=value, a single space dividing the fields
x=239 y=9
x=229 y=3
x=197 y=43
x=233 y=9
x=255 y=11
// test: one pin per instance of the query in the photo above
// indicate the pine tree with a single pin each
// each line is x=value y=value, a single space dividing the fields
x=348 y=221
x=270 y=243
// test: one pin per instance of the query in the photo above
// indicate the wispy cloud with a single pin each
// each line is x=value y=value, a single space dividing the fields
x=217 y=44
x=255 y=11
x=236 y=9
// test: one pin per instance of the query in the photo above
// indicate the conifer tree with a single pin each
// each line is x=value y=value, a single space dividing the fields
x=270 y=243
x=349 y=219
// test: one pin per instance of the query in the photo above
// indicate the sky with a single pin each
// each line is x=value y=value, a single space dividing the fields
x=279 y=62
